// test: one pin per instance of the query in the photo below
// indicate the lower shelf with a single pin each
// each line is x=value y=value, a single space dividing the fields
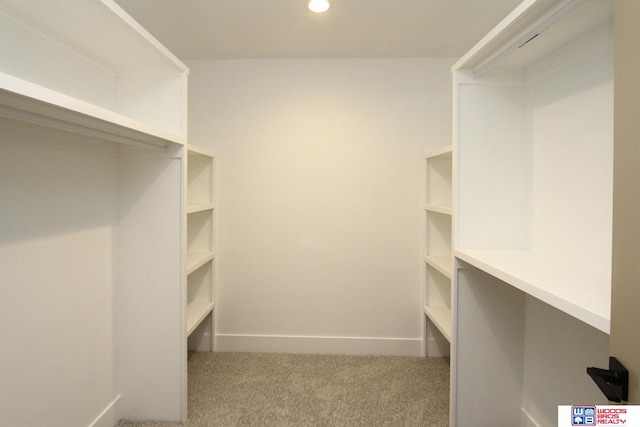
x=441 y=318
x=197 y=260
x=440 y=263
x=578 y=289
x=197 y=310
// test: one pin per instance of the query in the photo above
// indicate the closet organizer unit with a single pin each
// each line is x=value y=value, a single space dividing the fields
x=438 y=259
x=200 y=248
x=533 y=137
x=81 y=76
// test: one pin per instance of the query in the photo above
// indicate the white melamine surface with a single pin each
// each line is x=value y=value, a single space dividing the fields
x=196 y=312
x=441 y=317
x=71 y=55
x=91 y=20
x=579 y=290
x=438 y=199
x=440 y=263
x=438 y=177
x=535 y=199
x=196 y=260
x=92 y=231
x=439 y=209
x=200 y=178
x=195 y=208
x=148 y=289
x=533 y=218
x=200 y=261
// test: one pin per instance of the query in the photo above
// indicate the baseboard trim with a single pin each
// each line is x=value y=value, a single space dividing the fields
x=107 y=418
x=318 y=345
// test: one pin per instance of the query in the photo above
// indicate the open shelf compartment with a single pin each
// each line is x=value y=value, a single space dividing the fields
x=62 y=67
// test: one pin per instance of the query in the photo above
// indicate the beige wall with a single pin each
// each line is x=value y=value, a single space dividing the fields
x=319 y=207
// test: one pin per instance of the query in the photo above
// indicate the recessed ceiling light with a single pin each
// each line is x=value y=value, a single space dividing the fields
x=318 y=6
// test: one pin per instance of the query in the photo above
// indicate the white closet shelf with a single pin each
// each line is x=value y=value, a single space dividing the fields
x=446 y=210
x=28 y=102
x=447 y=149
x=197 y=259
x=197 y=310
x=195 y=208
x=574 y=289
x=441 y=318
x=195 y=149
x=533 y=19
x=440 y=263
x=86 y=66
x=83 y=26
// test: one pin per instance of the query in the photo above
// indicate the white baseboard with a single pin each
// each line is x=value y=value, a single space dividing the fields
x=318 y=345
x=107 y=418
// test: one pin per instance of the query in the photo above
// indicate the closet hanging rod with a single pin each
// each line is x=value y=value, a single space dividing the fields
x=38 y=119
x=524 y=38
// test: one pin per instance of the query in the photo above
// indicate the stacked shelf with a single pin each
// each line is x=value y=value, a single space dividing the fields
x=533 y=127
x=59 y=73
x=200 y=260
x=79 y=73
x=84 y=71
x=438 y=254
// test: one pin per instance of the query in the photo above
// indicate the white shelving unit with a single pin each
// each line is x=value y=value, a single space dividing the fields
x=533 y=137
x=438 y=258
x=200 y=260
x=58 y=68
x=74 y=74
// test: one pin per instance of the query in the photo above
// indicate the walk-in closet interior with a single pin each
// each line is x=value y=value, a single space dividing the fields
x=162 y=193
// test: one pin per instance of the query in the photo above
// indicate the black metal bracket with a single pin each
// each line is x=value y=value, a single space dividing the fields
x=613 y=382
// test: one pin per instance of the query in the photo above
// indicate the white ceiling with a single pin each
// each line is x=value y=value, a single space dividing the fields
x=226 y=29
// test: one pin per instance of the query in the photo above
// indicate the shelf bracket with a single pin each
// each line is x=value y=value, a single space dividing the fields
x=613 y=382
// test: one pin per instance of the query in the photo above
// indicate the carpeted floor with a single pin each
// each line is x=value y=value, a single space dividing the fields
x=255 y=389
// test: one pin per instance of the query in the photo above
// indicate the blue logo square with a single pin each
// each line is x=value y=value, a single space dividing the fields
x=583 y=415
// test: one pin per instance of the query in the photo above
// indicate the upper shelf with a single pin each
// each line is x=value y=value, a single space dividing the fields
x=86 y=65
x=531 y=32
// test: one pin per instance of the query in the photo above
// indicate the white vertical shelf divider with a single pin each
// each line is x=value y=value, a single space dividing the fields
x=438 y=260
x=200 y=253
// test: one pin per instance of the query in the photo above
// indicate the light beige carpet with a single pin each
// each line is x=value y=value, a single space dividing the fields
x=255 y=389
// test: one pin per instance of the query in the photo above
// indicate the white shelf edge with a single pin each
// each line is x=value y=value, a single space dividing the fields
x=197 y=260
x=503 y=34
x=199 y=150
x=447 y=149
x=197 y=311
x=201 y=207
x=446 y=210
x=144 y=34
x=440 y=316
x=26 y=101
x=548 y=293
x=440 y=263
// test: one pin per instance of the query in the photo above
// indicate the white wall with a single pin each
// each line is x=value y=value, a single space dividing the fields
x=319 y=203
x=57 y=211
